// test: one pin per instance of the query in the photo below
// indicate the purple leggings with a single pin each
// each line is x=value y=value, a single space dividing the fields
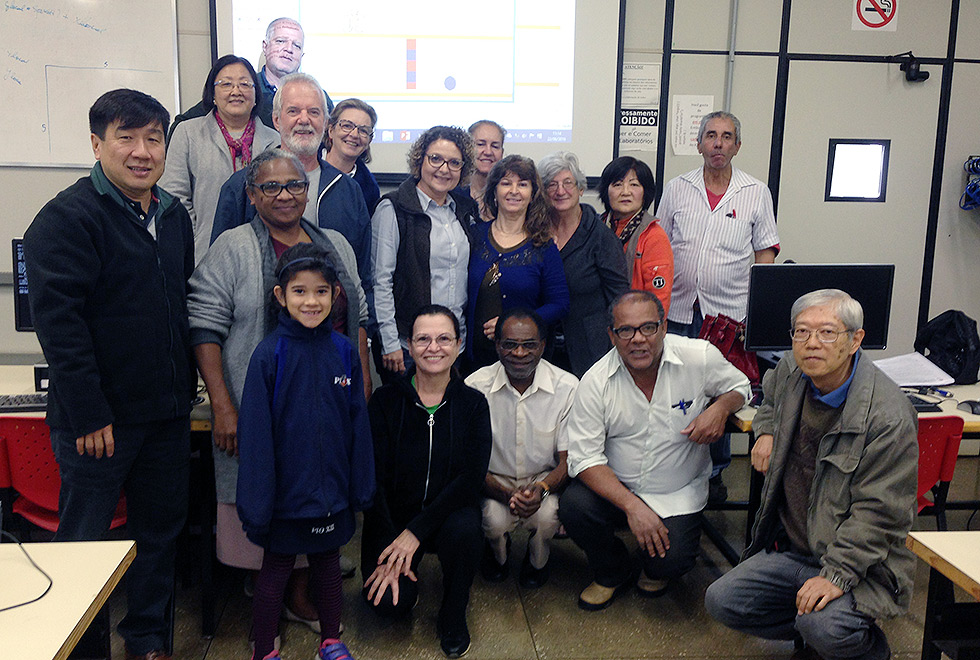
x=270 y=587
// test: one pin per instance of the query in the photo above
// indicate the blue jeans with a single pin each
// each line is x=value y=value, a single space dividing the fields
x=758 y=597
x=150 y=464
x=721 y=451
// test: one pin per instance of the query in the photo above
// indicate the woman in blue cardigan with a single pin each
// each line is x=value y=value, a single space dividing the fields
x=514 y=261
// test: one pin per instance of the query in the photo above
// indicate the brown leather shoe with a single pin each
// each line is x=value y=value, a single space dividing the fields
x=152 y=655
x=597 y=597
x=650 y=588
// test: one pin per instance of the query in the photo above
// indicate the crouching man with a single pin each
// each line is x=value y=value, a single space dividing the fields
x=837 y=442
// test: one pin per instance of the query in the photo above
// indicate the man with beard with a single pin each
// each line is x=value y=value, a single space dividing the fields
x=299 y=114
x=529 y=402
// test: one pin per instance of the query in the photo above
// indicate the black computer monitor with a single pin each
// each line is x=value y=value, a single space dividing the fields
x=773 y=288
x=22 y=308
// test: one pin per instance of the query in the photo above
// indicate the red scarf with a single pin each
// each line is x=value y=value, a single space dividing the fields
x=241 y=149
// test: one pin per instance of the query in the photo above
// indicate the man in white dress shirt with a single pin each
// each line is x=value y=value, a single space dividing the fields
x=638 y=437
x=529 y=399
x=719 y=221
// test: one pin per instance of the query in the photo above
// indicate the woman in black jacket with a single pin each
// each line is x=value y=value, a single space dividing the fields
x=432 y=448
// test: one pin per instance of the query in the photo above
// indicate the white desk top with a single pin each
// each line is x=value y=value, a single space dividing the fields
x=83 y=575
x=971 y=423
x=954 y=554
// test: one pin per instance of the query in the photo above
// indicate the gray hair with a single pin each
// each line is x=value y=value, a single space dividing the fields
x=635 y=295
x=282 y=19
x=267 y=156
x=295 y=78
x=848 y=310
x=721 y=114
x=554 y=164
x=488 y=122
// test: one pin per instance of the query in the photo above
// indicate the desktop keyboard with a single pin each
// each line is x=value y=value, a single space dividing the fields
x=34 y=402
x=923 y=405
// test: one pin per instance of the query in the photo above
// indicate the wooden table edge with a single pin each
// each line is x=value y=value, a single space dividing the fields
x=931 y=557
x=100 y=600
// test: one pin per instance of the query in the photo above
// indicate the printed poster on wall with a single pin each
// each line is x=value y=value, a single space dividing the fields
x=640 y=111
x=688 y=111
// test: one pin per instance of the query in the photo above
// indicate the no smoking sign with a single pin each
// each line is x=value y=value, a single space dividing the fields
x=875 y=15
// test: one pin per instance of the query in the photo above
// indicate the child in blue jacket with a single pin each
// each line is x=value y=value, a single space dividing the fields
x=306 y=460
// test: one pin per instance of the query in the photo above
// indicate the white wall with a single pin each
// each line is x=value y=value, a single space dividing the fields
x=699 y=24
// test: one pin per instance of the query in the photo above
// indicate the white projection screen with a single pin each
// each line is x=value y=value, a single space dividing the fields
x=544 y=69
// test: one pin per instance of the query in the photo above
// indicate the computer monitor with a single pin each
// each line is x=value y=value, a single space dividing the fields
x=773 y=288
x=22 y=308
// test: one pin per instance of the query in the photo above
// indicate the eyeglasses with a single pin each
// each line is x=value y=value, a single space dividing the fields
x=349 y=126
x=273 y=188
x=442 y=341
x=226 y=85
x=511 y=345
x=567 y=184
x=825 y=335
x=437 y=161
x=626 y=332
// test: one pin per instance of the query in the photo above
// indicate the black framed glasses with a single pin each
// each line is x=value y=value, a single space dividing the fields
x=626 y=332
x=511 y=345
x=349 y=127
x=437 y=161
x=273 y=188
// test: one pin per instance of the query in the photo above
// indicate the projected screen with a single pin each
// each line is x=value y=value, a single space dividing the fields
x=544 y=69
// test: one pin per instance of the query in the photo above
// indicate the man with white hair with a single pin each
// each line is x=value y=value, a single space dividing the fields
x=335 y=200
x=283 y=51
x=837 y=442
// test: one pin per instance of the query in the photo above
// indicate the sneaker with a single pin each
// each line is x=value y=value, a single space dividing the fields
x=455 y=643
x=650 y=588
x=333 y=649
x=289 y=615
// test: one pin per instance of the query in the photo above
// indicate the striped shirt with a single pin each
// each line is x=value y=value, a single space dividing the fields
x=713 y=250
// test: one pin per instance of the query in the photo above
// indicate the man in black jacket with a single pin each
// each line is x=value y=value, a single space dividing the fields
x=107 y=264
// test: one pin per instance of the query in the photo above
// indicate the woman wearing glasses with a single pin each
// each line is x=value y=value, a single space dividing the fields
x=595 y=267
x=205 y=151
x=420 y=243
x=349 y=134
x=432 y=448
x=514 y=261
x=231 y=310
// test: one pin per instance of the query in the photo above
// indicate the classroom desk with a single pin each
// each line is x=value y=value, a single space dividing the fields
x=950 y=627
x=83 y=574
x=19 y=379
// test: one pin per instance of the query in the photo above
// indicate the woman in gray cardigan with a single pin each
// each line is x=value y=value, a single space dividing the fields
x=595 y=267
x=205 y=151
x=229 y=309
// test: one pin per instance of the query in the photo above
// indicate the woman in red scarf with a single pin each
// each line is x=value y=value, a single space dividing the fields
x=205 y=151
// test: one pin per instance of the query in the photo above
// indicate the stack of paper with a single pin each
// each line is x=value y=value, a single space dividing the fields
x=913 y=369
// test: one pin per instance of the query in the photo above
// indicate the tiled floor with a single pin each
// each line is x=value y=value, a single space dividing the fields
x=509 y=623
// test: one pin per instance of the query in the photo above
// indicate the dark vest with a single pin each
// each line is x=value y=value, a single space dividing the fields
x=410 y=281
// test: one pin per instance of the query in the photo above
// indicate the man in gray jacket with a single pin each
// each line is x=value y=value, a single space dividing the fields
x=837 y=441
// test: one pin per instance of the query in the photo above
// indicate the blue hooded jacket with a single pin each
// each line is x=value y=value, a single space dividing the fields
x=304 y=438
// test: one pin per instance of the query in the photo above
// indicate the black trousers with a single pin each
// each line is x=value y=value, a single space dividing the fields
x=591 y=521
x=458 y=544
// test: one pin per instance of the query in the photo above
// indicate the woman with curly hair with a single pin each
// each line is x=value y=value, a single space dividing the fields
x=420 y=243
x=513 y=260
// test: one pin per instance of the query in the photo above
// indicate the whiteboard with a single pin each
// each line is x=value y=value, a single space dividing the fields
x=59 y=56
